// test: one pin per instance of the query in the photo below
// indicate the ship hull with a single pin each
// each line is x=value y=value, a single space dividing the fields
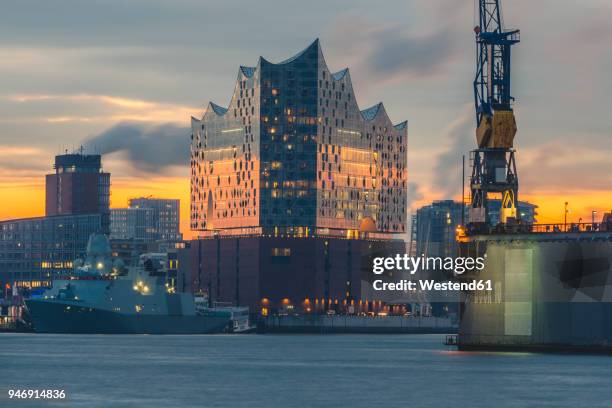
x=60 y=317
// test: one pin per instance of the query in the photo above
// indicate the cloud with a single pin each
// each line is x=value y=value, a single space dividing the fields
x=95 y=108
x=424 y=44
x=460 y=139
x=18 y=151
x=414 y=194
x=106 y=99
x=152 y=150
x=555 y=167
x=394 y=52
x=390 y=51
x=19 y=164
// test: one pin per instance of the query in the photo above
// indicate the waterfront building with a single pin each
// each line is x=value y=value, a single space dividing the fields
x=147 y=225
x=293 y=186
x=293 y=153
x=434 y=226
x=163 y=216
x=178 y=259
x=78 y=186
x=434 y=230
x=34 y=250
x=133 y=223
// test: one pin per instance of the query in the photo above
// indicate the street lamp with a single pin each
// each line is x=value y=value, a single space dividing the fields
x=565 y=217
x=593 y=214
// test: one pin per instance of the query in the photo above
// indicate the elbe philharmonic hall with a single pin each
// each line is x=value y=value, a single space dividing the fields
x=294 y=188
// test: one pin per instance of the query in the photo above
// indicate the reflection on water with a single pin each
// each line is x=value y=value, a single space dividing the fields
x=292 y=371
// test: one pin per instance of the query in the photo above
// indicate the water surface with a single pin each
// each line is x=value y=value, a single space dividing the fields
x=293 y=371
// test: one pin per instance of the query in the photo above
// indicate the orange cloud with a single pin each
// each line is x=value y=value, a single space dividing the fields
x=119 y=109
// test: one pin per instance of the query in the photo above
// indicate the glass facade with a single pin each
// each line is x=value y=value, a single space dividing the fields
x=34 y=250
x=155 y=218
x=293 y=155
x=435 y=228
x=133 y=223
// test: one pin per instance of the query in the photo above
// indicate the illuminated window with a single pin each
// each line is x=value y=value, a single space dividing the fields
x=281 y=251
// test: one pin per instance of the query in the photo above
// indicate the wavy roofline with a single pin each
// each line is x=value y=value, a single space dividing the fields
x=401 y=126
x=248 y=71
x=337 y=76
x=368 y=114
x=315 y=43
x=216 y=109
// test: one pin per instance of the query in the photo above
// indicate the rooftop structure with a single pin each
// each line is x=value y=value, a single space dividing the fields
x=78 y=186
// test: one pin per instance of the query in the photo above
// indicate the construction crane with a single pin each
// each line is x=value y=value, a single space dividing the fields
x=493 y=165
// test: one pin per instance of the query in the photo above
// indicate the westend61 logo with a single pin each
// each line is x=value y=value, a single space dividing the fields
x=411 y=264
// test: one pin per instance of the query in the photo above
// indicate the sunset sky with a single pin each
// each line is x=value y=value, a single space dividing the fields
x=123 y=78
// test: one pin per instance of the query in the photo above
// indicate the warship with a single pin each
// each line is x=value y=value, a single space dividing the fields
x=104 y=296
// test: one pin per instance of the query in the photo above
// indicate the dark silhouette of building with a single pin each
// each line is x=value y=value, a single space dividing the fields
x=78 y=186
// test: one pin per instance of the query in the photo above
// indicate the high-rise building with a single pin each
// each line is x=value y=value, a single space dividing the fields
x=433 y=234
x=133 y=223
x=293 y=152
x=78 y=186
x=435 y=226
x=162 y=220
x=304 y=181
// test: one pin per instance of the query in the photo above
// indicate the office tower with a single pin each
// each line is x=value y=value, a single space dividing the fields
x=78 y=186
x=163 y=213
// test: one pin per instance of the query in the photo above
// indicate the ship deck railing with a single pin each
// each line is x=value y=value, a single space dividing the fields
x=558 y=228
